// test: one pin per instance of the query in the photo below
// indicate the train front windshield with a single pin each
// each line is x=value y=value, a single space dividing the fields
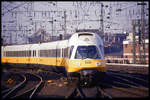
x=84 y=52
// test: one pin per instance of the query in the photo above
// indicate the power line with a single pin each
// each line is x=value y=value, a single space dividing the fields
x=14 y=8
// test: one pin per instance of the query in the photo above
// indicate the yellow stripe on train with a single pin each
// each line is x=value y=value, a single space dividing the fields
x=71 y=65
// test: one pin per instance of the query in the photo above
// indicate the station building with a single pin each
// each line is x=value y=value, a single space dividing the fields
x=126 y=56
x=140 y=56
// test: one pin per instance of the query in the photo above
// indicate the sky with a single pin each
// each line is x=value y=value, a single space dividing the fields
x=79 y=15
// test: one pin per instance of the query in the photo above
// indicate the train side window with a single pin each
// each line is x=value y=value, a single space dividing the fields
x=25 y=53
x=15 y=54
x=35 y=53
x=40 y=53
x=30 y=53
x=6 y=53
x=47 y=53
x=18 y=53
x=11 y=53
x=21 y=53
x=54 y=53
x=58 y=53
x=66 y=52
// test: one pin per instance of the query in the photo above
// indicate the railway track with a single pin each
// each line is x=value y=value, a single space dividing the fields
x=97 y=92
x=86 y=91
x=143 y=77
x=115 y=84
x=125 y=92
x=126 y=86
x=25 y=89
x=7 y=91
x=136 y=80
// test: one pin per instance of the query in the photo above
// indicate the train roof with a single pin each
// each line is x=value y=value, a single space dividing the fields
x=41 y=46
x=85 y=38
x=80 y=38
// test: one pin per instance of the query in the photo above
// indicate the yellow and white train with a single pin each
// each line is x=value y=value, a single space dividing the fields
x=81 y=54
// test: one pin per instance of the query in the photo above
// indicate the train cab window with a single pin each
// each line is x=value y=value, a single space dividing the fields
x=84 y=52
x=70 y=52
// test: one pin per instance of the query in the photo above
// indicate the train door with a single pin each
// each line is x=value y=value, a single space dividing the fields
x=37 y=56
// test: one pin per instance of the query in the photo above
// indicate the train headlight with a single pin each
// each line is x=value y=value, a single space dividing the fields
x=98 y=63
x=78 y=63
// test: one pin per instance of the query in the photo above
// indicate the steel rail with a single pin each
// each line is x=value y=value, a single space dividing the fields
x=129 y=77
x=104 y=93
x=33 y=88
x=127 y=80
x=123 y=89
x=127 y=91
x=139 y=88
x=75 y=92
x=36 y=87
x=14 y=88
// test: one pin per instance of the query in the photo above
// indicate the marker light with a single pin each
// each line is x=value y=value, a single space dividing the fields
x=98 y=63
